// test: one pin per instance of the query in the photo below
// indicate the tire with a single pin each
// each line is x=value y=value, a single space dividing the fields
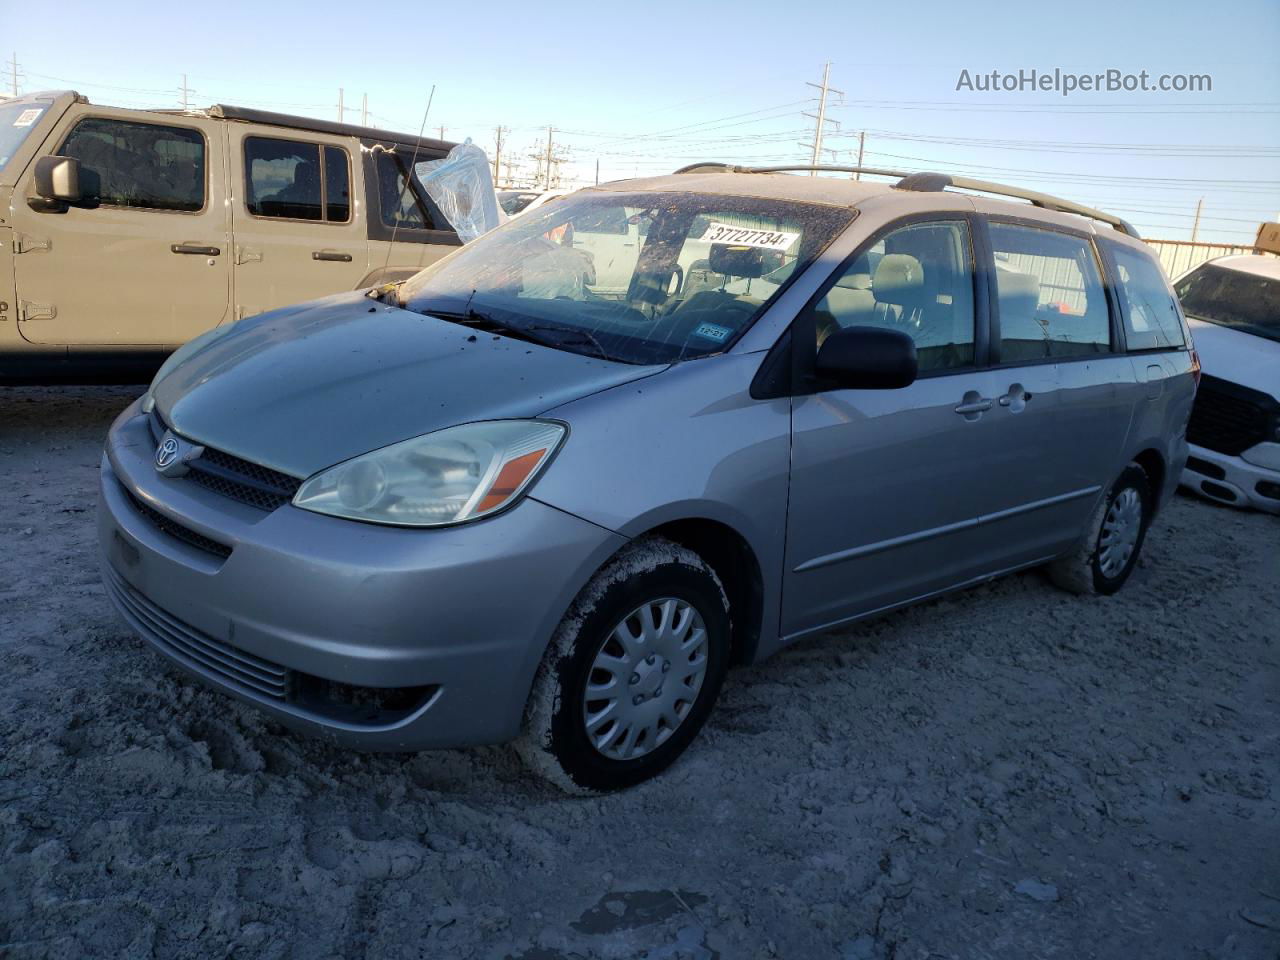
x=676 y=676
x=1121 y=520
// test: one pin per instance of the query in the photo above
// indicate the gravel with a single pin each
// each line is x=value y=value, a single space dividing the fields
x=1008 y=772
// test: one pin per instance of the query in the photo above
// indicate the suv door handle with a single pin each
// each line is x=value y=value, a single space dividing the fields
x=195 y=249
x=981 y=405
x=330 y=255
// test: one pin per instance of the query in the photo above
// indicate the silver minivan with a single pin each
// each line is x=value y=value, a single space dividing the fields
x=510 y=500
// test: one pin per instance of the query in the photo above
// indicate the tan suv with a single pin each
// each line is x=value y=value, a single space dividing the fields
x=124 y=233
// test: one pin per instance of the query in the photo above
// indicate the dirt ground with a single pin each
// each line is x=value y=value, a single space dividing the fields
x=1007 y=773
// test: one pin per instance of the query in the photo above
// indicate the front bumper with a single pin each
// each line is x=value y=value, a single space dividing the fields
x=1232 y=479
x=374 y=637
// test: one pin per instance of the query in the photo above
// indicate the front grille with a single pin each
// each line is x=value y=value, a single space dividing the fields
x=230 y=476
x=176 y=530
x=1229 y=418
x=184 y=643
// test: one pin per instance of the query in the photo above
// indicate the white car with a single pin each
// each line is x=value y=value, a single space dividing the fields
x=515 y=202
x=1233 y=306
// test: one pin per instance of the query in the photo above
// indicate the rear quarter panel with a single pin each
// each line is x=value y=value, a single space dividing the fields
x=1160 y=419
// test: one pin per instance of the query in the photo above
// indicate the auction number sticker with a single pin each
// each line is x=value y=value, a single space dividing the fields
x=746 y=237
x=27 y=117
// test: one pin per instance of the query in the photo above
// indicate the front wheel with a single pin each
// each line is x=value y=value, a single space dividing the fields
x=632 y=672
x=1109 y=549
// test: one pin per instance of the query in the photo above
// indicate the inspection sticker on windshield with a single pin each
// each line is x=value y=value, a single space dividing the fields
x=27 y=117
x=746 y=237
x=712 y=331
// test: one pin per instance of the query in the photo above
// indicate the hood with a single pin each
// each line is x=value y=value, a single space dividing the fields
x=301 y=389
x=1237 y=356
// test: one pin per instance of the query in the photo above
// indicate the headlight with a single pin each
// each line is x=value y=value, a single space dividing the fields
x=444 y=477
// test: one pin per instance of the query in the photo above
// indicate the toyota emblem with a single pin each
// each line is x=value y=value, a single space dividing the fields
x=166 y=453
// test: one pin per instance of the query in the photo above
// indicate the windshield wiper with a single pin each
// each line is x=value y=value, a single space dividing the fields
x=471 y=317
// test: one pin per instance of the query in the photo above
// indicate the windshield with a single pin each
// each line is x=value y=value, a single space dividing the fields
x=1233 y=298
x=640 y=278
x=17 y=119
x=513 y=201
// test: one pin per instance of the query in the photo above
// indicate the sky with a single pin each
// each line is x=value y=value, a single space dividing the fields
x=643 y=89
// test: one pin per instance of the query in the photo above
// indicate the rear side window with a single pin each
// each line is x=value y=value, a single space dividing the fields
x=1151 y=312
x=292 y=180
x=337 y=185
x=398 y=201
x=146 y=165
x=1049 y=295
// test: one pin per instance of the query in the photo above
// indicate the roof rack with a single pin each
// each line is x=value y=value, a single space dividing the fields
x=931 y=182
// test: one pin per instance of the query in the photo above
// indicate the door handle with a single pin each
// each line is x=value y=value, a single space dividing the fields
x=330 y=255
x=195 y=249
x=970 y=407
x=1016 y=399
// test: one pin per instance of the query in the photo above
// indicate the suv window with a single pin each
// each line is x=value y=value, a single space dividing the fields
x=128 y=164
x=1049 y=293
x=1151 y=312
x=337 y=185
x=400 y=205
x=293 y=180
x=917 y=279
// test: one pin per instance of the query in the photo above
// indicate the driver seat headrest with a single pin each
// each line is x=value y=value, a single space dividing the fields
x=899 y=279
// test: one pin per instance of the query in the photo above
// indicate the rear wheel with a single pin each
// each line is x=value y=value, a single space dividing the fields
x=632 y=673
x=1112 y=540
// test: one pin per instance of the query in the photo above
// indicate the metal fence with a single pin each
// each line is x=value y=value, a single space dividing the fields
x=1179 y=256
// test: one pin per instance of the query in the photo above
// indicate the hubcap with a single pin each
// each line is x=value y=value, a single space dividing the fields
x=1120 y=529
x=645 y=678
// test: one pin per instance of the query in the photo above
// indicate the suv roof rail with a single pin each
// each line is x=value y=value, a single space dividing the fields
x=931 y=182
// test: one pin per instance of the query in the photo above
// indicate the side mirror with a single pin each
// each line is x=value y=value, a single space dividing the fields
x=58 y=178
x=868 y=358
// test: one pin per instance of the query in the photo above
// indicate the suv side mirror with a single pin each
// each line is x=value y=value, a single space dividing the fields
x=58 y=179
x=868 y=358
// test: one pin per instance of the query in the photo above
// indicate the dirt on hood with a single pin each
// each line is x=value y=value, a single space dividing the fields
x=1010 y=772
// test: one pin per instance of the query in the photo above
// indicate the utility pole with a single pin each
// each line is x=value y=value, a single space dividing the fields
x=186 y=90
x=548 y=161
x=342 y=113
x=1195 y=227
x=498 y=133
x=862 y=140
x=364 y=110
x=597 y=171
x=550 y=132
x=821 y=116
x=13 y=73
x=442 y=131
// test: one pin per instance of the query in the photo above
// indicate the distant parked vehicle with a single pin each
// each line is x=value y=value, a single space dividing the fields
x=1233 y=306
x=515 y=497
x=128 y=232
x=515 y=202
